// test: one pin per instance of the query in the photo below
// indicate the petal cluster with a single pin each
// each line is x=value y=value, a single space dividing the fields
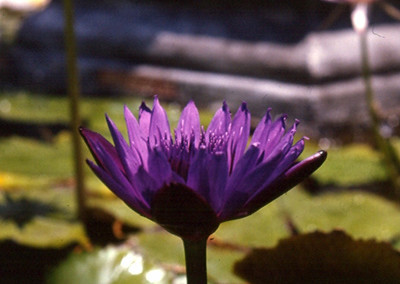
x=197 y=178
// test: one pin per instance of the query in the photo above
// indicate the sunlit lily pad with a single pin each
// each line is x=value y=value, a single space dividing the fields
x=359 y=213
x=40 y=218
x=356 y=164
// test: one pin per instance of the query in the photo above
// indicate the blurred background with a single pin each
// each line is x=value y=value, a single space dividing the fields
x=302 y=58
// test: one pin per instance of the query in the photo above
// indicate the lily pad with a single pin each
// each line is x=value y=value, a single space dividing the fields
x=355 y=164
x=361 y=214
x=40 y=218
x=322 y=258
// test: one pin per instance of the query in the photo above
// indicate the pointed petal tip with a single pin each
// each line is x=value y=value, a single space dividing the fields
x=81 y=129
x=322 y=154
x=225 y=106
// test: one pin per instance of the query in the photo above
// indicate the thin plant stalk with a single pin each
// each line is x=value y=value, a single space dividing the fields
x=73 y=90
x=389 y=155
x=196 y=261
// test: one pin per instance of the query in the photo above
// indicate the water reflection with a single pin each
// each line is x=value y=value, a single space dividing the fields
x=133 y=263
x=155 y=275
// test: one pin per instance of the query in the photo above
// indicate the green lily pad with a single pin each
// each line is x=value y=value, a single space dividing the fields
x=361 y=214
x=322 y=258
x=355 y=164
x=28 y=220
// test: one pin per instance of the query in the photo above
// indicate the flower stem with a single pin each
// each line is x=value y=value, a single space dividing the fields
x=74 y=94
x=196 y=263
x=390 y=158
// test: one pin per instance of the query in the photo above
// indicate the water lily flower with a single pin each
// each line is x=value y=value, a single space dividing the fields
x=192 y=183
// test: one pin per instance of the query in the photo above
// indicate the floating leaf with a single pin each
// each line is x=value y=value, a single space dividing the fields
x=355 y=164
x=361 y=214
x=40 y=218
x=322 y=258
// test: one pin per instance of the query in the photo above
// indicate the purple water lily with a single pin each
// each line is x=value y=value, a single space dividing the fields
x=191 y=183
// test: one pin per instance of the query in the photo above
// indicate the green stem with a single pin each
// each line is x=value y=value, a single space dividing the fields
x=390 y=158
x=73 y=94
x=196 y=262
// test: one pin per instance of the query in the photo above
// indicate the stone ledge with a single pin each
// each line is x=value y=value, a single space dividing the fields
x=323 y=109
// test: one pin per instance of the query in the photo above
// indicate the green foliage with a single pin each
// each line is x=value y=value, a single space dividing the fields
x=361 y=214
x=43 y=228
x=355 y=164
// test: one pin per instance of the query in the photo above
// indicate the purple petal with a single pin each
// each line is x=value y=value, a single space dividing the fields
x=263 y=128
x=189 y=124
x=285 y=163
x=197 y=178
x=244 y=165
x=135 y=135
x=159 y=167
x=129 y=158
x=128 y=195
x=159 y=126
x=296 y=174
x=144 y=120
x=219 y=125
x=97 y=143
x=241 y=191
x=119 y=177
x=271 y=135
x=239 y=135
x=217 y=169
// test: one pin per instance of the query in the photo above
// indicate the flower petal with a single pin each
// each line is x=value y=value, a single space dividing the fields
x=217 y=172
x=144 y=120
x=189 y=124
x=197 y=178
x=296 y=174
x=134 y=201
x=244 y=165
x=159 y=167
x=263 y=128
x=241 y=191
x=270 y=135
x=130 y=159
x=135 y=135
x=159 y=125
x=95 y=142
x=239 y=135
x=219 y=125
